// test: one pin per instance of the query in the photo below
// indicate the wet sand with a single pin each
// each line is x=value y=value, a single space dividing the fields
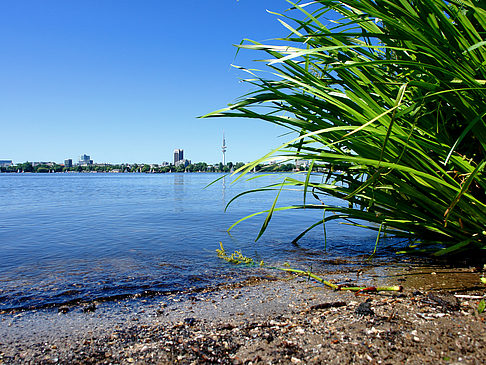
x=284 y=319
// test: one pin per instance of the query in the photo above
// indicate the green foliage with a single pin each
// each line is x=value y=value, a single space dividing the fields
x=389 y=99
x=481 y=306
x=26 y=167
x=238 y=258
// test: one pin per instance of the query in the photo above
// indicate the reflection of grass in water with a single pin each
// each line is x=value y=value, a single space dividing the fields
x=387 y=101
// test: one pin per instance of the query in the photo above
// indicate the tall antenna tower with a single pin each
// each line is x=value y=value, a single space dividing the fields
x=224 y=151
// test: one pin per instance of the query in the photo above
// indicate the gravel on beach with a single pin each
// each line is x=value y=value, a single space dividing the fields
x=260 y=321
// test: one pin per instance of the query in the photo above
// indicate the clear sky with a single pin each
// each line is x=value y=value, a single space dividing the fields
x=124 y=80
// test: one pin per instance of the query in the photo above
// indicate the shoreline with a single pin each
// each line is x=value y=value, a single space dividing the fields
x=271 y=320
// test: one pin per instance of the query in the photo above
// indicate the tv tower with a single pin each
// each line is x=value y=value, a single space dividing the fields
x=224 y=151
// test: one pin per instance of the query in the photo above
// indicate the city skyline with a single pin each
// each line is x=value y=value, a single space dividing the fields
x=85 y=159
x=111 y=79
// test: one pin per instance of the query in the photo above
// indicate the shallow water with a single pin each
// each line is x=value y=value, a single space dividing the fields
x=66 y=237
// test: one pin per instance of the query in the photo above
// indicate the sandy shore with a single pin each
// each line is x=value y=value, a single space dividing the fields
x=271 y=320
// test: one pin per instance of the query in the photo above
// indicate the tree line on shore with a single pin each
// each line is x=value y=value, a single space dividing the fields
x=141 y=168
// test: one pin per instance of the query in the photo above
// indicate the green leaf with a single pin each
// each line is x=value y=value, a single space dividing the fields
x=387 y=100
x=481 y=306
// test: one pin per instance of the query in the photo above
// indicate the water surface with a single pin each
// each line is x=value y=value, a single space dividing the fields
x=86 y=236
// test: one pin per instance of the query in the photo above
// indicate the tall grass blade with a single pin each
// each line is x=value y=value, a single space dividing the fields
x=387 y=100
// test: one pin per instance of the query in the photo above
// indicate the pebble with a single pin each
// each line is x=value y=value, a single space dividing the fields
x=63 y=309
x=300 y=330
x=364 y=309
x=298 y=337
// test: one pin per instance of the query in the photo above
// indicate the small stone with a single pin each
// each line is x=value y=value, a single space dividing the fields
x=300 y=330
x=89 y=307
x=190 y=321
x=63 y=309
x=364 y=309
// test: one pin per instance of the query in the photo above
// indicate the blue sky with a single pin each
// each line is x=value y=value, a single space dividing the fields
x=123 y=81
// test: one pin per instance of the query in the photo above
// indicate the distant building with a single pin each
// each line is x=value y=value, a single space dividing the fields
x=302 y=164
x=85 y=160
x=68 y=162
x=42 y=163
x=183 y=162
x=178 y=156
x=6 y=163
x=224 y=150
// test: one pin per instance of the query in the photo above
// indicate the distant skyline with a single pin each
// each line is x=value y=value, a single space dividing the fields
x=124 y=81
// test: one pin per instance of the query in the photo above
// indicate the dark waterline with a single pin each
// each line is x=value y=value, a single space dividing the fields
x=72 y=237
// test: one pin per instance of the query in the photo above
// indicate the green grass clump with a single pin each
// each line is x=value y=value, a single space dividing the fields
x=238 y=258
x=389 y=99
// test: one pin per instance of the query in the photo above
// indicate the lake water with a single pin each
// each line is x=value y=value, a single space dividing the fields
x=68 y=237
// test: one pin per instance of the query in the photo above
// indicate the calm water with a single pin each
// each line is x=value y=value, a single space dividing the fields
x=85 y=236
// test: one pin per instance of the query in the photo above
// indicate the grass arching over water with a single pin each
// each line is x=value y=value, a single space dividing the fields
x=389 y=99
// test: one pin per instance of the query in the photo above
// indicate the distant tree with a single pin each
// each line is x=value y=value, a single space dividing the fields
x=201 y=167
x=27 y=167
x=287 y=167
x=238 y=165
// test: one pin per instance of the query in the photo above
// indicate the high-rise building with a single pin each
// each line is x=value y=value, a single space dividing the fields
x=85 y=160
x=178 y=156
x=68 y=162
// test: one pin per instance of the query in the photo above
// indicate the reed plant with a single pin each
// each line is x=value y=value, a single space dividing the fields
x=388 y=99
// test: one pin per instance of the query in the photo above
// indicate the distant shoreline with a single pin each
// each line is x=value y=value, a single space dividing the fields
x=230 y=167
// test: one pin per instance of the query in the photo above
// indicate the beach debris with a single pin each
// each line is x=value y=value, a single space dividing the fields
x=328 y=305
x=63 y=309
x=89 y=307
x=190 y=321
x=364 y=309
x=447 y=301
